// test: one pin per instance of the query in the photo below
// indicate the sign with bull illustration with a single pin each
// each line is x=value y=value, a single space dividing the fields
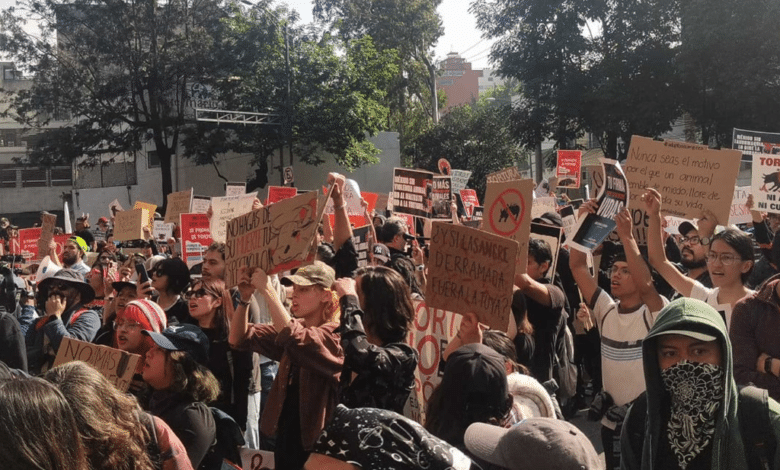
x=507 y=212
x=766 y=183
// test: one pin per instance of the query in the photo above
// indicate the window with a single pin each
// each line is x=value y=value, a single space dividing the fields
x=34 y=178
x=152 y=160
x=7 y=176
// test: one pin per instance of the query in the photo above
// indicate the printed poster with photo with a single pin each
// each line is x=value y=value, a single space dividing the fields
x=592 y=229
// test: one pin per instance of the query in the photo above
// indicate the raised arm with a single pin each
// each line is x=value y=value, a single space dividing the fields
x=342 y=230
x=655 y=249
x=578 y=260
x=636 y=264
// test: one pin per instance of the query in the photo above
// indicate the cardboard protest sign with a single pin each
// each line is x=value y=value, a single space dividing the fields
x=195 y=237
x=592 y=229
x=178 y=203
x=740 y=214
x=673 y=224
x=360 y=240
x=552 y=235
x=471 y=271
x=150 y=208
x=441 y=197
x=252 y=459
x=162 y=231
x=753 y=143
x=275 y=238
x=47 y=232
x=690 y=177
x=470 y=201
x=200 y=204
x=412 y=192
x=129 y=225
x=505 y=175
x=542 y=205
x=569 y=219
x=568 y=170
x=115 y=365
x=226 y=208
x=431 y=331
x=28 y=243
x=508 y=214
x=235 y=189
x=765 y=185
x=279 y=193
x=460 y=179
x=381 y=203
x=553 y=183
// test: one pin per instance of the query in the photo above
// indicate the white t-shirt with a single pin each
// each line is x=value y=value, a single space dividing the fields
x=710 y=296
x=622 y=370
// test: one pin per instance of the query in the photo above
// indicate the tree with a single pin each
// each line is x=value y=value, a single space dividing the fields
x=123 y=72
x=475 y=137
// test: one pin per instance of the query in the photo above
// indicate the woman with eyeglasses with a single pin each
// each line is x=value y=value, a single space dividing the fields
x=170 y=277
x=730 y=260
x=137 y=316
x=206 y=300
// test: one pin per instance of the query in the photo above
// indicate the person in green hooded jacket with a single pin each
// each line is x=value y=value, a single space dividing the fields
x=687 y=418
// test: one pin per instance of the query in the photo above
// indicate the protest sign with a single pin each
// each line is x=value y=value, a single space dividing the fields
x=28 y=243
x=275 y=238
x=766 y=183
x=568 y=171
x=47 y=233
x=444 y=167
x=740 y=214
x=569 y=220
x=235 y=189
x=114 y=207
x=431 y=331
x=596 y=173
x=381 y=203
x=252 y=459
x=226 y=208
x=690 y=177
x=542 y=205
x=150 y=208
x=411 y=227
x=129 y=225
x=673 y=224
x=505 y=175
x=279 y=193
x=508 y=214
x=178 y=203
x=115 y=365
x=200 y=204
x=360 y=241
x=552 y=235
x=478 y=213
x=441 y=197
x=471 y=271
x=195 y=237
x=412 y=192
x=753 y=143
x=470 y=201
x=289 y=178
x=162 y=231
x=592 y=229
x=460 y=178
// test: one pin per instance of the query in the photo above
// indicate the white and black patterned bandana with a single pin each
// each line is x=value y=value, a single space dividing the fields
x=696 y=392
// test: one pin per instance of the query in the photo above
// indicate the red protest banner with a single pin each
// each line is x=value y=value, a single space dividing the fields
x=568 y=171
x=280 y=193
x=470 y=200
x=195 y=237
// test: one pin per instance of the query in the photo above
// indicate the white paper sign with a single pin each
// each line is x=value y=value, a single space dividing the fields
x=226 y=208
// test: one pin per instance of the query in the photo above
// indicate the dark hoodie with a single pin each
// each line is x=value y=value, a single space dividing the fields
x=727 y=450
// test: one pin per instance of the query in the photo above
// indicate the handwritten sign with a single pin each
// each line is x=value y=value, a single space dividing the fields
x=200 y=204
x=568 y=170
x=507 y=212
x=543 y=205
x=279 y=193
x=471 y=271
x=195 y=237
x=275 y=238
x=129 y=225
x=252 y=459
x=47 y=232
x=226 y=208
x=740 y=214
x=178 y=203
x=460 y=178
x=505 y=175
x=150 y=208
x=412 y=192
x=115 y=365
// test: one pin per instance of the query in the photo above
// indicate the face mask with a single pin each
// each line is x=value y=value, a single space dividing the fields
x=696 y=391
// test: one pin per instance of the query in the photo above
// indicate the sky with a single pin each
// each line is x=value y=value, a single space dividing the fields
x=460 y=30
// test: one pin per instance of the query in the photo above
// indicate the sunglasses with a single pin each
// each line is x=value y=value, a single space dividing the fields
x=198 y=294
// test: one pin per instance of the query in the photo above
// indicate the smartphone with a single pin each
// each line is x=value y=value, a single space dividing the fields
x=143 y=276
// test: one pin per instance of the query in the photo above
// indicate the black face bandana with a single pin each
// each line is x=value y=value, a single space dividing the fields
x=696 y=392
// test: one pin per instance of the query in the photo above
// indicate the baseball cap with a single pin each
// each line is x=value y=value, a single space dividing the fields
x=550 y=218
x=476 y=374
x=534 y=443
x=102 y=220
x=317 y=273
x=381 y=252
x=184 y=337
x=686 y=227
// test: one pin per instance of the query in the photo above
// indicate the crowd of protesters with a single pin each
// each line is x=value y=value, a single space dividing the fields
x=315 y=365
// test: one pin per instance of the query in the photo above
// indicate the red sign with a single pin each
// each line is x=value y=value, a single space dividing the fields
x=470 y=201
x=195 y=237
x=280 y=193
x=568 y=171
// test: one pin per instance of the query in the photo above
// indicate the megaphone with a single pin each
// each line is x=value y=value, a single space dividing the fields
x=46 y=270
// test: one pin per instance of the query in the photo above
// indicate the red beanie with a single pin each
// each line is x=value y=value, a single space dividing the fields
x=146 y=312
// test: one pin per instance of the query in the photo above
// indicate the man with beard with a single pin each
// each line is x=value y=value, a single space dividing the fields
x=63 y=316
x=692 y=416
x=693 y=250
x=73 y=252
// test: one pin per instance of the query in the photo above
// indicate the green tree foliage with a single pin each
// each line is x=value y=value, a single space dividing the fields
x=475 y=137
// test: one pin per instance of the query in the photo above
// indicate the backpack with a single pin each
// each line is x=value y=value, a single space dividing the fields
x=565 y=368
x=758 y=436
x=229 y=439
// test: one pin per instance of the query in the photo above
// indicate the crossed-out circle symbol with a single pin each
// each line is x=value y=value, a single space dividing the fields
x=507 y=210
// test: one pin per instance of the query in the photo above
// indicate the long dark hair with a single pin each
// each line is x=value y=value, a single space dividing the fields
x=388 y=308
x=216 y=287
x=742 y=244
x=37 y=428
x=178 y=274
x=191 y=379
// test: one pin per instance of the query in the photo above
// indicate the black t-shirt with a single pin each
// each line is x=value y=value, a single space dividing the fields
x=87 y=236
x=547 y=323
